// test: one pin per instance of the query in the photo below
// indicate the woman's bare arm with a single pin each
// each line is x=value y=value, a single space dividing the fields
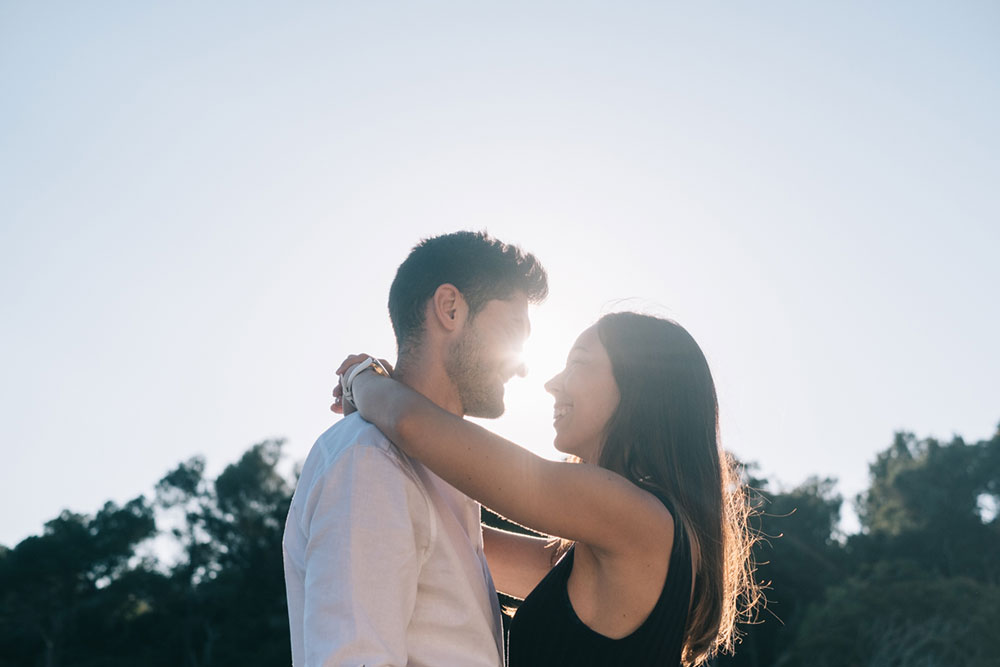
x=577 y=501
x=517 y=562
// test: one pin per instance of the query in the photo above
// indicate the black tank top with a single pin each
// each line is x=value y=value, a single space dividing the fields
x=547 y=632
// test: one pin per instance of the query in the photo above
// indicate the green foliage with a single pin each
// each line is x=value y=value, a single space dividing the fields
x=923 y=484
x=923 y=507
x=918 y=587
x=228 y=587
x=797 y=557
x=79 y=594
x=65 y=588
x=900 y=616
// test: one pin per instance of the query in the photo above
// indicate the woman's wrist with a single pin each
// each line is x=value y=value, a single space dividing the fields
x=351 y=377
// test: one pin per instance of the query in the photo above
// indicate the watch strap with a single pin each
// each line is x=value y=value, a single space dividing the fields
x=347 y=381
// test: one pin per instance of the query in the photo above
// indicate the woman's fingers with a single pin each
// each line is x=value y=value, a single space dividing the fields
x=338 y=400
x=357 y=359
x=340 y=406
x=350 y=361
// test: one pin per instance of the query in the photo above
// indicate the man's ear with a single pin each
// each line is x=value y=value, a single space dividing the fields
x=448 y=307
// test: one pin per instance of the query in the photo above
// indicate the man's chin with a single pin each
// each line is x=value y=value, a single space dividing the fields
x=485 y=406
x=486 y=411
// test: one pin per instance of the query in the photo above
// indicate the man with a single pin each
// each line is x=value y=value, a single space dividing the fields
x=384 y=560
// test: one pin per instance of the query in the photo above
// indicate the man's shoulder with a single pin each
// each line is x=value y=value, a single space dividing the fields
x=350 y=440
x=354 y=470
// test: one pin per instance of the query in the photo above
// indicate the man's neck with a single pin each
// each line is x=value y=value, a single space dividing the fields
x=427 y=376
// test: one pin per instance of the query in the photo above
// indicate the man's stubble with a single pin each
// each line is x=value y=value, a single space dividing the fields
x=478 y=382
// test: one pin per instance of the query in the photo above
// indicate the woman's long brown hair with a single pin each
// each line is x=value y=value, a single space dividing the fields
x=664 y=435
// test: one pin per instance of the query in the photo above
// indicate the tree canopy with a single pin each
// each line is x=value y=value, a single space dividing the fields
x=194 y=576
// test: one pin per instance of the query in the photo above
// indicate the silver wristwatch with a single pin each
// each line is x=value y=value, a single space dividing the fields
x=346 y=381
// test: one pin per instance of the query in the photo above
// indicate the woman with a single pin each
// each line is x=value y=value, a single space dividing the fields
x=659 y=568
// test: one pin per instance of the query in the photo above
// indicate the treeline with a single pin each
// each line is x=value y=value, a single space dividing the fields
x=91 y=590
x=918 y=586
x=193 y=576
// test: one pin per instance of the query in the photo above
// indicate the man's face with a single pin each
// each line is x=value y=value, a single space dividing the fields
x=488 y=353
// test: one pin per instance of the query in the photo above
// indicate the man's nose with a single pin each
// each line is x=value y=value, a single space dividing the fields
x=521 y=370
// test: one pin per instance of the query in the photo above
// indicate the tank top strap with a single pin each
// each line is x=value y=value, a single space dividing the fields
x=663 y=498
x=681 y=549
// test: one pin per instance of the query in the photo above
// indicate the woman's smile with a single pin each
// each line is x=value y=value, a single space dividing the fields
x=559 y=411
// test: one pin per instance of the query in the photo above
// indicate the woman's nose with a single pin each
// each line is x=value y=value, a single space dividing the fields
x=552 y=385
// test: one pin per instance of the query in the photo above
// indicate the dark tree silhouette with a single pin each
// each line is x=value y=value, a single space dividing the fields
x=901 y=616
x=195 y=578
x=67 y=587
x=797 y=557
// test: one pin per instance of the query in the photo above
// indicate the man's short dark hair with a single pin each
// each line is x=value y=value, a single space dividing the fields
x=481 y=267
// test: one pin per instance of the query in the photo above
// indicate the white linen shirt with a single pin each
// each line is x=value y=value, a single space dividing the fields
x=384 y=561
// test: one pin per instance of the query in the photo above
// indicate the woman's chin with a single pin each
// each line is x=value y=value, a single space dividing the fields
x=564 y=447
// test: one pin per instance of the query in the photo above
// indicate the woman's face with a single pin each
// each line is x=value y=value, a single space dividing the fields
x=586 y=396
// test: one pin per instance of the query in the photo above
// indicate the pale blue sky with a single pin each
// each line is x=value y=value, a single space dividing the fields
x=201 y=210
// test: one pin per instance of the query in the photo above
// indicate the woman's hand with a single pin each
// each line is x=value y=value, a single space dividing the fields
x=339 y=405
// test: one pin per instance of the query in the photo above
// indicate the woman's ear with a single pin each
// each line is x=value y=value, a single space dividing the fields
x=448 y=307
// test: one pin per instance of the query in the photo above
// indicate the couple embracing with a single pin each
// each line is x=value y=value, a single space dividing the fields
x=385 y=559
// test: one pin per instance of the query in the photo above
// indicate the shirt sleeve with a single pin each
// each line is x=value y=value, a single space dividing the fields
x=368 y=526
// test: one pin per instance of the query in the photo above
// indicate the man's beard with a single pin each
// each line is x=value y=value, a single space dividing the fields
x=479 y=386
